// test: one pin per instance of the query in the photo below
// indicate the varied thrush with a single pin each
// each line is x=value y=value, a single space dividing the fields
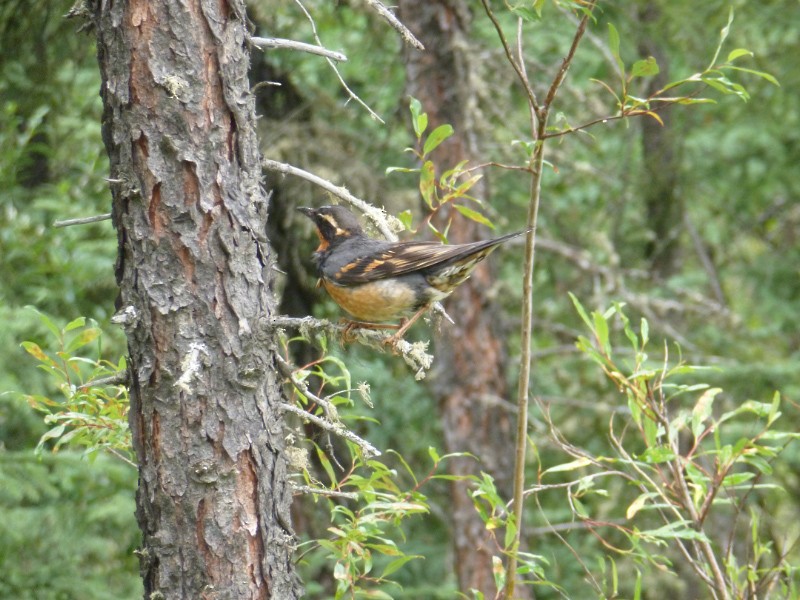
x=379 y=281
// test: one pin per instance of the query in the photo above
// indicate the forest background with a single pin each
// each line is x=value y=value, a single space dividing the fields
x=693 y=225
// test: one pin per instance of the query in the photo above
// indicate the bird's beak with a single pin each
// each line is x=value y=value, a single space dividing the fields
x=309 y=212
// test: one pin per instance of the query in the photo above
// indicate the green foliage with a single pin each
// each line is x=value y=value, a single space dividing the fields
x=68 y=531
x=93 y=411
x=736 y=173
x=686 y=466
x=448 y=189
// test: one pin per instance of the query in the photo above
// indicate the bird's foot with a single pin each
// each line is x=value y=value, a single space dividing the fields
x=347 y=334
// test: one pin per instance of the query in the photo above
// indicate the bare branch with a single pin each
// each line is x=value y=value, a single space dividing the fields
x=306 y=489
x=120 y=378
x=404 y=31
x=122 y=457
x=350 y=92
x=288 y=371
x=335 y=428
x=413 y=353
x=280 y=44
x=82 y=221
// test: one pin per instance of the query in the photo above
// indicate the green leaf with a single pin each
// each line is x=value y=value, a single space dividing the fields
x=407 y=219
x=419 y=119
x=677 y=530
x=529 y=14
x=636 y=505
x=613 y=44
x=702 y=410
x=75 y=323
x=761 y=74
x=436 y=137
x=390 y=170
x=645 y=67
x=510 y=534
x=650 y=431
x=774 y=409
x=723 y=35
x=657 y=455
x=398 y=563
x=580 y=509
x=601 y=331
x=739 y=52
x=47 y=323
x=580 y=309
x=474 y=215
x=85 y=337
x=427 y=183
x=570 y=466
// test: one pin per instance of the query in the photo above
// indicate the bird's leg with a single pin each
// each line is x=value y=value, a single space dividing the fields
x=405 y=324
x=350 y=325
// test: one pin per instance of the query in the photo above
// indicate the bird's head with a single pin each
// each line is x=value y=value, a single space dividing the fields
x=333 y=222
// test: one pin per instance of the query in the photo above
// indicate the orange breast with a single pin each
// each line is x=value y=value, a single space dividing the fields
x=374 y=301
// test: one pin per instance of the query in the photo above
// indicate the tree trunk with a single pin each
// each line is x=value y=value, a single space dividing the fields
x=470 y=357
x=194 y=271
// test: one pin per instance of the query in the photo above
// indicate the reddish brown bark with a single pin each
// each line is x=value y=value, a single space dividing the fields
x=194 y=272
x=470 y=357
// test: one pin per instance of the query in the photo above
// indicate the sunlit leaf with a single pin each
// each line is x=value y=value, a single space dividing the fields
x=474 y=215
x=570 y=466
x=613 y=45
x=427 y=183
x=645 y=67
x=436 y=137
x=739 y=52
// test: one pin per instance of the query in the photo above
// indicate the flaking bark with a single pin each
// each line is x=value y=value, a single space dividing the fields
x=196 y=269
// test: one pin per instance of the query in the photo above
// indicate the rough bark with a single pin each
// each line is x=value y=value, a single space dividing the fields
x=194 y=271
x=663 y=202
x=470 y=357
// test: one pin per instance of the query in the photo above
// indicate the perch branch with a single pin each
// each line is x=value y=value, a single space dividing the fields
x=82 y=221
x=413 y=354
x=281 y=44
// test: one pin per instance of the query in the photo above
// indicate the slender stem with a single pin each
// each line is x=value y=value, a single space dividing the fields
x=281 y=44
x=82 y=221
x=538 y=118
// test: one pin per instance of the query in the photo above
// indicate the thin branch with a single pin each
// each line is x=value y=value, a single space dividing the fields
x=350 y=92
x=122 y=457
x=565 y=64
x=538 y=116
x=120 y=378
x=705 y=259
x=510 y=56
x=307 y=489
x=335 y=428
x=282 y=44
x=288 y=371
x=82 y=221
x=413 y=353
x=404 y=31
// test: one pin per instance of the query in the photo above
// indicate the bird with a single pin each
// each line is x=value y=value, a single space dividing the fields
x=377 y=281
